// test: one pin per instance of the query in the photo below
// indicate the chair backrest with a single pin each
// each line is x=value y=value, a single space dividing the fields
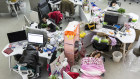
x=43 y=9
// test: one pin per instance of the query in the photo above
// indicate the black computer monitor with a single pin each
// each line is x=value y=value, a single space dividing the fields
x=111 y=19
x=17 y=36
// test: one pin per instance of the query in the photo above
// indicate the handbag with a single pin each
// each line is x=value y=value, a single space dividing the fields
x=90 y=26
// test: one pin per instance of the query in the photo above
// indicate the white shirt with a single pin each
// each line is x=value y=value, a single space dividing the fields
x=116 y=7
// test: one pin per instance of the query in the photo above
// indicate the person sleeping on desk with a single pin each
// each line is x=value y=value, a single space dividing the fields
x=45 y=23
x=113 y=6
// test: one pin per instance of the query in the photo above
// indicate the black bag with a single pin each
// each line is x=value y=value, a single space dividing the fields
x=52 y=27
x=90 y=26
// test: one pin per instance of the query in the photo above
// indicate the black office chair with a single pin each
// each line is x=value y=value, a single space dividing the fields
x=43 y=8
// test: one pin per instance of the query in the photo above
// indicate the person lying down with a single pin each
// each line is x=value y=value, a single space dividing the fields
x=92 y=67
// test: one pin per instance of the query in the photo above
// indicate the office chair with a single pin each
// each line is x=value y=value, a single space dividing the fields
x=43 y=8
x=68 y=9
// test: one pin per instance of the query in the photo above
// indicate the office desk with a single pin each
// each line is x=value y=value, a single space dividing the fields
x=19 y=50
x=129 y=38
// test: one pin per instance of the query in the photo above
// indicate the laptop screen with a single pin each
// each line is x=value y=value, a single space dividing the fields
x=35 y=38
x=17 y=36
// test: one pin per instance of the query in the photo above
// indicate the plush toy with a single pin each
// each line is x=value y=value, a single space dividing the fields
x=82 y=34
x=52 y=41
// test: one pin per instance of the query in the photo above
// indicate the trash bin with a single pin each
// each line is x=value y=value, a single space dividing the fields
x=117 y=55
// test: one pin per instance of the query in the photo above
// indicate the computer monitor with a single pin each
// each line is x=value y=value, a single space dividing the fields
x=27 y=22
x=35 y=38
x=17 y=36
x=111 y=19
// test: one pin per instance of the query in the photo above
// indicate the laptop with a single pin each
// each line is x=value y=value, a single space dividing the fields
x=35 y=39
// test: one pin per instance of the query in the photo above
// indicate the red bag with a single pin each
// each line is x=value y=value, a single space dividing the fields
x=56 y=15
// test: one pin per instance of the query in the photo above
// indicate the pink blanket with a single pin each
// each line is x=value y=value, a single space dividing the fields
x=92 y=68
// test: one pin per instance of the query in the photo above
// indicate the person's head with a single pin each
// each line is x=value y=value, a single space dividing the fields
x=44 y=18
x=95 y=54
x=113 y=3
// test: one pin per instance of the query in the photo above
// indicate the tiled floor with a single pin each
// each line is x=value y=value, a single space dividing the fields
x=10 y=24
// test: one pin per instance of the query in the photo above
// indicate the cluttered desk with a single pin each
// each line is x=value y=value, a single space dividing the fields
x=18 y=43
x=111 y=23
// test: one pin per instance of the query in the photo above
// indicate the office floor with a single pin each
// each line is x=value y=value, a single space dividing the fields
x=10 y=24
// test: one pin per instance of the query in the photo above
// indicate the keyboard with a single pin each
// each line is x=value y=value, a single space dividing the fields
x=109 y=27
x=112 y=10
